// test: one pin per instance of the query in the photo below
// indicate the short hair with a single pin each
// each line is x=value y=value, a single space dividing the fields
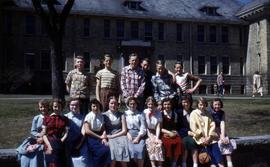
x=150 y=98
x=178 y=62
x=96 y=102
x=146 y=59
x=202 y=100
x=160 y=62
x=79 y=57
x=188 y=98
x=72 y=99
x=217 y=99
x=133 y=55
x=112 y=97
x=58 y=101
x=45 y=103
x=166 y=100
x=131 y=98
x=107 y=55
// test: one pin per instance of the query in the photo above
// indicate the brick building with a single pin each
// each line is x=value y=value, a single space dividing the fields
x=206 y=35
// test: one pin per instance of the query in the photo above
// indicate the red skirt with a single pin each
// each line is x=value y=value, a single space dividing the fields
x=173 y=147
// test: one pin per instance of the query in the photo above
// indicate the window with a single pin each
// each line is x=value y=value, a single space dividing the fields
x=120 y=29
x=210 y=11
x=202 y=89
x=86 y=27
x=225 y=34
x=212 y=33
x=201 y=65
x=45 y=60
x=8 y=24
x=200 y=33
x=134 y=30
x=160 y=57
x=240 y=35
x=43 y=29
x=179 y=58
x=30 y=25
x=107 y=28
x=160 y=31
x=179 y=32
x=148 y=31
x=241 y=66
x=86 y=57
x=213 y=65
x=225 y=65
x=133 y=5
x=29 y=61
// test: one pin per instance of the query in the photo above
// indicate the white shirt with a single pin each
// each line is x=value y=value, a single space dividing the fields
x=152 y=120
x=135 y=120
x=96 y=121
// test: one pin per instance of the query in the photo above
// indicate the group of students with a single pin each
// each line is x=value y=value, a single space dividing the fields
x=159 y=120
x=100 y=138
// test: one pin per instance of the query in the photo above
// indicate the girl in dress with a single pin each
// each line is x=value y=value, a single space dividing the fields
x=186 y=133
x=170 y=138
x=153 y=142
x=30 y=152
x=219 y=117
x=76 y=148
x=95 y=130
x=55 y=127
x=203 y=128
x=136 y=131
x=116 y=130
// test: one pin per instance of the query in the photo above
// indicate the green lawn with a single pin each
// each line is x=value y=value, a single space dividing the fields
x=244 y=118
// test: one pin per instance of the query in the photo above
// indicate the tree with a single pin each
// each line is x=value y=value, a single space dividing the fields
x=54 y=18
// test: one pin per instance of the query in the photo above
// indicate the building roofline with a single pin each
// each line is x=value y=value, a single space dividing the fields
x=253 y=9
x=130 y=16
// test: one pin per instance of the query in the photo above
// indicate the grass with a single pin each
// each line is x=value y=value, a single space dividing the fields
x=244 y=118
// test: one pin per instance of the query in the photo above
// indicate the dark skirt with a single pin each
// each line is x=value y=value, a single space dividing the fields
x=56 y=158
x=99 y=152
x=189 y=143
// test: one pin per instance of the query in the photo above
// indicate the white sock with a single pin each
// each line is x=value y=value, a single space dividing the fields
x=195 y=165
x=229 y=164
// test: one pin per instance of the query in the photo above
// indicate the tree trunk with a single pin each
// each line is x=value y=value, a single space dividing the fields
x=58 y=86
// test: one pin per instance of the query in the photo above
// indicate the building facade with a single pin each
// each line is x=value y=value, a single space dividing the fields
x=206 y=36
x=258 y=53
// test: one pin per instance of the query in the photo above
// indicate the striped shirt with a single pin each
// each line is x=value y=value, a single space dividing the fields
x=108 y=79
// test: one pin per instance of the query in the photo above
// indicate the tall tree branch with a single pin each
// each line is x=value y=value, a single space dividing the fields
x=64 y=14
x=53 y=14
x=44 y=17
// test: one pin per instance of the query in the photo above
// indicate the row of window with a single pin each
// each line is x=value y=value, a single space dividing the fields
x=213 y=65
x=204 y=33
x=45 y=63
x=148 y=31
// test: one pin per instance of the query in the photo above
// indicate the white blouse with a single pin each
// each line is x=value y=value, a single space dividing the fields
x=136 y=121
x=152 y=119
x=96 y=121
